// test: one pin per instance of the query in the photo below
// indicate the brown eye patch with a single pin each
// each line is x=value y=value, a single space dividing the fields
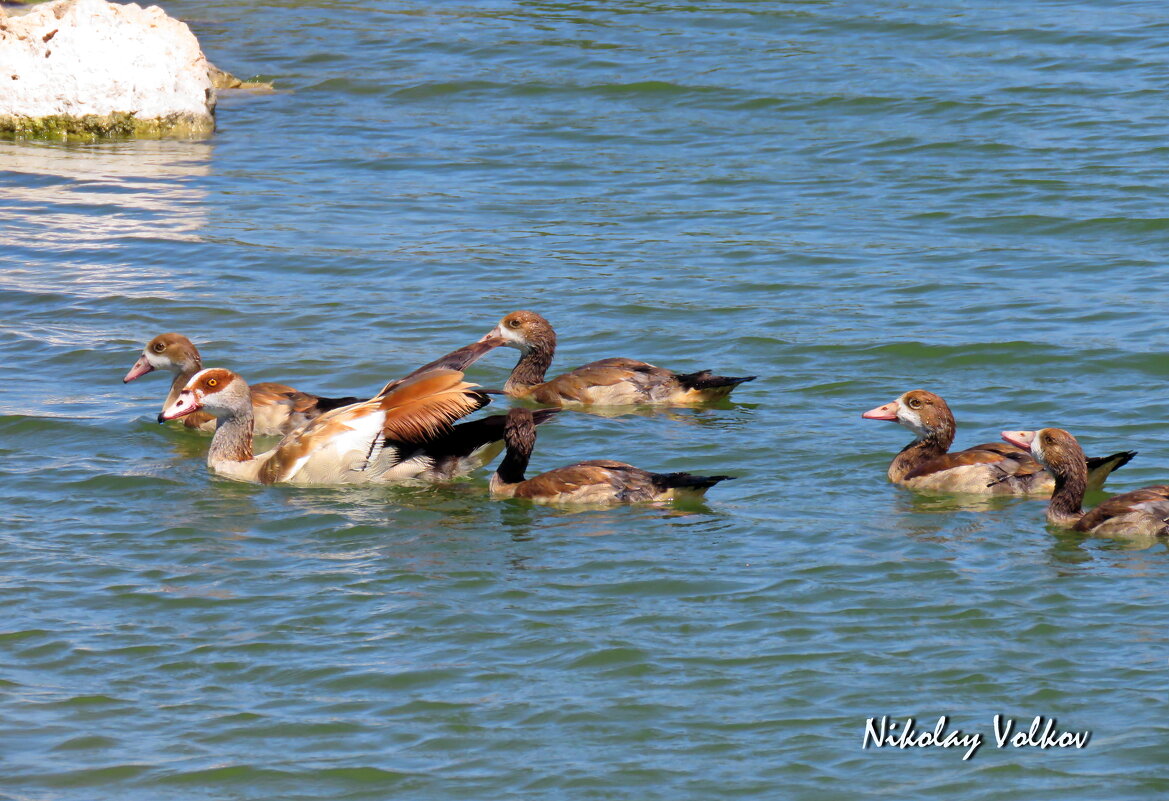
x=158 y=347
x=914 y=403
x=513 y=323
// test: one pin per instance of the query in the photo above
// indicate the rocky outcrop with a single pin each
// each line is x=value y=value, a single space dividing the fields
x=222 y=79
x=89 y=68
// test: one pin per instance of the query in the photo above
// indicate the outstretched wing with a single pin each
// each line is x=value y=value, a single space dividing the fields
x=458 y=360
x=351 y=439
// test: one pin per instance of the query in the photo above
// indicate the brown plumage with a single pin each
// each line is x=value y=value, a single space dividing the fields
x=608 y=382
x=378 y=440
x=278 y=408
x=1141 y=513
x=596 y=482
x=993 y=468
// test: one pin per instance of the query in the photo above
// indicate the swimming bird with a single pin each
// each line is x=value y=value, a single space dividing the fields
x=993 y=468
x=596 y=482
x=402 y=435
x=278 y=408
x=608 y=382
x=1143 y=512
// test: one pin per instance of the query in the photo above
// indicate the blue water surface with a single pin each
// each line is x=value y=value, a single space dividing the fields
x=849 y=200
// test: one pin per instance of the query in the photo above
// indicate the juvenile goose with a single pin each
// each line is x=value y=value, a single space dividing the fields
x=1143 y=512
x=993 y=468
x=609 y=382
x=465 y=449
x=278 y=408
x=386 y=439
x=595 y=482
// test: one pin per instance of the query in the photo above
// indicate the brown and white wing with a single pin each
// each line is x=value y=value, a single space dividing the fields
x=328 y=449
x=424 y=406
x=1145 y=511
x=615 y=381
x=280 y=409
x=984 y=468
x=597 y=481
x=349 y=444
x=273 y=405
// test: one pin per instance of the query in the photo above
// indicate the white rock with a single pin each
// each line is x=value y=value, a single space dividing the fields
x=76 y=67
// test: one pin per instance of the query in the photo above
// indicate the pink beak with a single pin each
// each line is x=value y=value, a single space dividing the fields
x=1020 y=439
x=184 y=404
x=141 y=367
x=493 y=339
x=886 y=412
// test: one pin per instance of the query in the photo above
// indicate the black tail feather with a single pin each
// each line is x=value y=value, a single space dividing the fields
x=329 y=404
x=687 y=481
x=1121 y=459
x=704 y=379
x=464 y=438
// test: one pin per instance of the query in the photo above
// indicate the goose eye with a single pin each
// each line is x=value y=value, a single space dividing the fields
x=513 y=323
x=915 y=404
x=1048 y=440
x=158 y=347
x=212 y=382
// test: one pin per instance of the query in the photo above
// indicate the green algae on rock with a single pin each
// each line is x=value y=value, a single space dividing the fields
x=103 y=126
x=222 y=79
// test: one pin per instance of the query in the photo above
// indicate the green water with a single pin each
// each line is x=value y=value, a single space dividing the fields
x=848 y=200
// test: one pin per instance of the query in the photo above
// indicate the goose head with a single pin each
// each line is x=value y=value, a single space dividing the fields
x=1054 y=448
x=922 y=412
x=220 y=392
x=525 y=330
x=173 y=352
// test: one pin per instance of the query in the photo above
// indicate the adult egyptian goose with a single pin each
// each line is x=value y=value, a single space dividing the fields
x=1143 y=512
x=597 y=482
x=609 y=382
x=386 y=439
x=994 y=468
x=278 y=408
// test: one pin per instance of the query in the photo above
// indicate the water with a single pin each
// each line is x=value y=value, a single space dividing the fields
x=849 y=200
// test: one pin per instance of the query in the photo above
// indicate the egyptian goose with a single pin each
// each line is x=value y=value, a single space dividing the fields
x=594 y=483
x=1143 y=512
x=609 y=382
x=278 y=408
x=993 y=468
x=385 y=439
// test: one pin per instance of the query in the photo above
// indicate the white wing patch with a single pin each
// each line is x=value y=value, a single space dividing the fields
x=352 y=449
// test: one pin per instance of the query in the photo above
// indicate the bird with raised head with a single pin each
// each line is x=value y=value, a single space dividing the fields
x=608 y=382
x=1141 y=513
x=278 y=408
x=993 y=468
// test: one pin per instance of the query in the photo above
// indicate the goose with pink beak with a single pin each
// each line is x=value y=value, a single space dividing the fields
x=1143 y=513
x=994 y=468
